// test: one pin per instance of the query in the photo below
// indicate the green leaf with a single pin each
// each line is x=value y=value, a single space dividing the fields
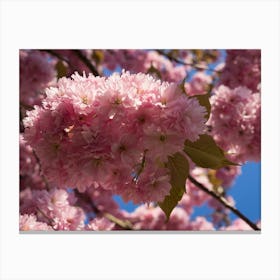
x=204 y=102
x=205 y=153
x=61 y=69
x=179 y=171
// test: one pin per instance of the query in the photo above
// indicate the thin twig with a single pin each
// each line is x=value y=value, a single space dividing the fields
x=223 y=201
x=125 y=224
x=40 y=170
x=49 y=219
x=185 y=63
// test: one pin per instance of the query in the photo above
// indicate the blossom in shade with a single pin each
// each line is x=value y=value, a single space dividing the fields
x=54 y=208
x=242 y=68
x=199 y=84
x=30 y=175
x=36 y=73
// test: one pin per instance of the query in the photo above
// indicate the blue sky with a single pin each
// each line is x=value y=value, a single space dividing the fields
x=246 y=192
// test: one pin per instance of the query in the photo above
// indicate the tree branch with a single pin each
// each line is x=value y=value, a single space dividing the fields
x=86 y=61
x=125 y=224
x=57 y=55
x=223 y=201
x=172 y=58
x=40 y=170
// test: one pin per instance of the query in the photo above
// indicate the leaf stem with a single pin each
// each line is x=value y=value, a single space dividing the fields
x=223 y=201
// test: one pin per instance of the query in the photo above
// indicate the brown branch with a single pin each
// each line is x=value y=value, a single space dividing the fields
x=223 y=201
x=40 y=170
x=123 y=224
x=86 y=61
x=26 y=106
x=198 y=67
x=51 y=222
x=57 y=55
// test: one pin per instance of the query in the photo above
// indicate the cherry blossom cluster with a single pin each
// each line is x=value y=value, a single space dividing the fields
x=242 y=68
x=236 y=122
x=37 y=72
x=114 y=132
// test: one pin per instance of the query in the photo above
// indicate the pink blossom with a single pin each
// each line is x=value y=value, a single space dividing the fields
x=100 y=224
x=103 y=201
x=29 y=222
x=153 y=218
x=200 y=223
x=182 y=114
x=153 y=184
x=115 y=133
x=53 y=207
x=196 y=196
x=199 y=84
